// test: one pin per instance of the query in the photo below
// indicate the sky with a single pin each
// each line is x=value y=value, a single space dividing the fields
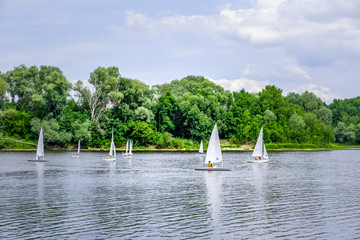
x=296 y=45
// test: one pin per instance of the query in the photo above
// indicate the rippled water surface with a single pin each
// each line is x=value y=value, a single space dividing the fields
x=308 y=195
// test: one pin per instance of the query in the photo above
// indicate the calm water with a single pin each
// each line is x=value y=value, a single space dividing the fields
x=308 y=195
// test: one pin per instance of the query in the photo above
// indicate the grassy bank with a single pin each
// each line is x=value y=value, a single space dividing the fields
x=9 y=144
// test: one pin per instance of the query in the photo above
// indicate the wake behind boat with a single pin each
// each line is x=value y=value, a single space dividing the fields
x=40 y=156
x=260 y=155
x=213 y=154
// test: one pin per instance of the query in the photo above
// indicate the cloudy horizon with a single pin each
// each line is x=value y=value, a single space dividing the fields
x=296 y=45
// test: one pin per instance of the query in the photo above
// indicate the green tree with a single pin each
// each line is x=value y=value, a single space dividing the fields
x=14 y=122
x=296 y=122
x=293 y=98
x=144 y=114
x=101 y=92
x=42 y=92
x=269 y=116
x=3 y=90
x=166 y=113
x=51 y=128
x=340 y=132
x=310 y=101
x=271 y=99
x=324 y=114
x=142 y=133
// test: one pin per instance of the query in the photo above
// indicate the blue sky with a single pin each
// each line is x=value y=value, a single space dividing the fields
x=297 y=45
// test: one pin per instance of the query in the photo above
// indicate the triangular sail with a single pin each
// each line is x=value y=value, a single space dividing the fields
x=79 y=148
x=213 y=152
x=265 y=153
x=114 y=150
x=112 y=144
x=127 y=146
x=131 y=146
x=258 y=147
x=40 y=146
x=201 y=149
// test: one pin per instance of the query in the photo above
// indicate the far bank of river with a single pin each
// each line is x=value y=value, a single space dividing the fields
x=243 y=148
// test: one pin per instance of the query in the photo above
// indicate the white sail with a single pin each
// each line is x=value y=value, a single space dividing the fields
x=265 y=153
x=258 y=147
x=131 y=146
x=213 y=152
x=79 y=148
x=201 y=149
x=127 y=146
x=111 y=144
x=40 y=146
x=112 y=151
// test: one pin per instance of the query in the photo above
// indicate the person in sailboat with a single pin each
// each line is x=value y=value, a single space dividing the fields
x=209 y=164
x=256 y=158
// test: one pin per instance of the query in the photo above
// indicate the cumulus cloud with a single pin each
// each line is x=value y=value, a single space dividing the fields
x=315 y=32
x=238 y=84
x=322 y=92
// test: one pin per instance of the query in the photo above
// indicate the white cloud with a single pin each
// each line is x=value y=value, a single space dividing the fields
x=273 y=23
x=238 y=84
x=322 y=92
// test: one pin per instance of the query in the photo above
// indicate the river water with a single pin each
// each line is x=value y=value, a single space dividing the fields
x=307 y=195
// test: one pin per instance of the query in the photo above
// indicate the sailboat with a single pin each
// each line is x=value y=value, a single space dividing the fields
x=112 y=153
x=260 y=155
x=126 y=148
x=201 y=150
x=40 y=157
x=213 y=153
x=78 y=152
x=129 y=146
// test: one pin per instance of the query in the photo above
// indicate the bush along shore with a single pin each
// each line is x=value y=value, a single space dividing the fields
x=19 y=145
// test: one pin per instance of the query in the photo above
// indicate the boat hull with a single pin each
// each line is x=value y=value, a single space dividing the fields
x=37 y=160
x=257 y=161
x=212 y=169
x=110 y=159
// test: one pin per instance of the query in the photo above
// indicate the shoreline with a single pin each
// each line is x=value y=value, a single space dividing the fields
x=146 y=150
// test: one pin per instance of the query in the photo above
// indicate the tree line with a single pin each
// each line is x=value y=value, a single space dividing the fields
x=172 y=115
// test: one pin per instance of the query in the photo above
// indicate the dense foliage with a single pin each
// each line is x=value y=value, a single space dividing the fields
x=175 y=114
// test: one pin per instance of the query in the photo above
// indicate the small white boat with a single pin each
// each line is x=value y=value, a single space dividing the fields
x=260 y=155
x=201 y=150
x=213 y=153
x=112 y=153
x=78 y=152
x=40 y=155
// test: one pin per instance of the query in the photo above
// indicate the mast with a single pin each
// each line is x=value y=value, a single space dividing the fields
x=79 y=148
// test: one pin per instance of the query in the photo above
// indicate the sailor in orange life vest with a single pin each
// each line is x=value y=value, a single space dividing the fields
x=255 y=158
x=209 y=164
